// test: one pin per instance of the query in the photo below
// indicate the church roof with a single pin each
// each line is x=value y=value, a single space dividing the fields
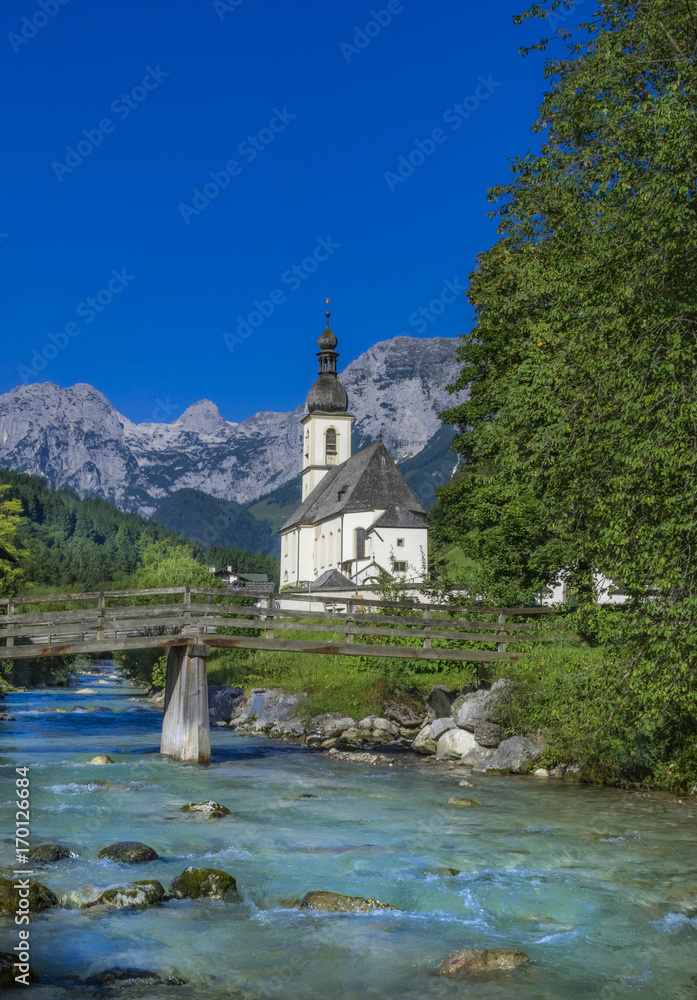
x=369 y=480
x=332 y=579
x=397 y=517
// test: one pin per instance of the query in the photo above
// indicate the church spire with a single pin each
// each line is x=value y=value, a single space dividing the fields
x=327 y=394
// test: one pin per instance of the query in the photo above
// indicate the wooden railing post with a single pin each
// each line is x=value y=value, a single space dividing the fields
x=502 y=635
x=349 y=628
x=10 y=611
x=100 y=615
x=269 y=606
x=187 y=610
x=427 y=634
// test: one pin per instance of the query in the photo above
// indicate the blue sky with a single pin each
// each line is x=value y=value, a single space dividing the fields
x=292 y=122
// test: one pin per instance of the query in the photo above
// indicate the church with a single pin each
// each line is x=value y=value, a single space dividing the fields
x=357 y=518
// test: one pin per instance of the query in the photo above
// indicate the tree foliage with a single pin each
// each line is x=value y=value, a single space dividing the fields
x=580 y=433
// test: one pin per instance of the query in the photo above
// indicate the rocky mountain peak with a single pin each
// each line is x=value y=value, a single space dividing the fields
x=203 y=417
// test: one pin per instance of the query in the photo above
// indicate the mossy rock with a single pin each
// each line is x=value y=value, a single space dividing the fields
x=101 y=758
x=334 y=902
x=203 y=883
x=137 y=895
x=48 y=853
x=130 y=852
x=468 y=961
x=8 y=972
x=462 y=803
x=40 y=896
x=209 y=809
x=112 y=978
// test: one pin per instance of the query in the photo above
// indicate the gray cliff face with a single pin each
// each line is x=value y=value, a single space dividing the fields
x=76 y=438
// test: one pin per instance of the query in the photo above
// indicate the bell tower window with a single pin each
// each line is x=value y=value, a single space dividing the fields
x=330 y=448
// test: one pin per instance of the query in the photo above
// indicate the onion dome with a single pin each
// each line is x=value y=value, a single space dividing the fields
x=327 y=395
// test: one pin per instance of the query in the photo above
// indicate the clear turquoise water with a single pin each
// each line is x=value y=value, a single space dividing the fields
x=600 y=918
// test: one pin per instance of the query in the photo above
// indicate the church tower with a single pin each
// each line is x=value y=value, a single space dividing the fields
x=327 y=426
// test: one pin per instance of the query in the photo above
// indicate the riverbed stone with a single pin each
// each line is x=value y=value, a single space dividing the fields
x=477 y=960
x=222 y=701
x=358 y=757
x=424 y=743
x=267 y=706
x=115 y=978
x=440 y=726
x=453 y=743
x=478 y=706
x=203 y=883
x=48 y=853
x=40 y=896
x=488 y=734
x=8 y=972
x=330 y=724
x=334 y=902
x=513 y=754
x=136 y=895
x=455 y=800
x=129 y=852
x=376 y=724
x=403 y=715
x=101 y=758
x=209 y=809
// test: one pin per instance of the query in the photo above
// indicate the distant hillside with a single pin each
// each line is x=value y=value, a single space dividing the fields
x=85 y=543
x=209 y=520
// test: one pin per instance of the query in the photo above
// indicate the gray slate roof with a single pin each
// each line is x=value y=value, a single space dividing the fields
x=332 y=579
x=369 y=480
x=398 y=517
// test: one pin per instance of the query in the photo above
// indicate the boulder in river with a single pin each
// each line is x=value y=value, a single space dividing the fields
x=203 y=883
x=478 y=706
x=129 y=852
x=330 y=724
x=115 y=978
x=137 y=895
x=424 y=742
x=455 y=800
x=48 y=853
x=85 y=691
x=101 y=758
x=209 y=809
x=477 y=960
x=453 y=743
x=40 y=896
x=487 y=734
x=222 y=701
x=334 y=902
x=267 y=706
x=8 y=972
x=513 y=754
x=440 y=701
x=440 y=726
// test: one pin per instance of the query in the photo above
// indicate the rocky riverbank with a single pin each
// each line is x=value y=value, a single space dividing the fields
x=450 y=727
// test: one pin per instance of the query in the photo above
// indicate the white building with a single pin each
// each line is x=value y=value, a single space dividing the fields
x=357 y=517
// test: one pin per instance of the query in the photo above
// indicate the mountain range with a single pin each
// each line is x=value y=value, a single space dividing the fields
x=224 y=482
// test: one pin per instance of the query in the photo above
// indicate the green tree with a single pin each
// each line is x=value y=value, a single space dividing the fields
x=10 y=516
x=583 y=363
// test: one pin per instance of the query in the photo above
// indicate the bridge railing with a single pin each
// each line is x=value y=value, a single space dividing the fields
x=354 y=626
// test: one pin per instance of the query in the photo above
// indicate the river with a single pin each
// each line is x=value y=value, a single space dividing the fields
x=596 y=885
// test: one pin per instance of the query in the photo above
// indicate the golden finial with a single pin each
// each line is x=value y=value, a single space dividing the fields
x=327 y=314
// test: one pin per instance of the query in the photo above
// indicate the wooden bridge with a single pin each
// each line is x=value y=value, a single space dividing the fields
x=187 y=621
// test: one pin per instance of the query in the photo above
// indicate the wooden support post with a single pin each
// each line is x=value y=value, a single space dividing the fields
x=349 y=629
x=10 y=611
x=427 y=639
x=269 y=605
x=187 y=610
x=100 y=621
x=502 y=635
x=185 y=726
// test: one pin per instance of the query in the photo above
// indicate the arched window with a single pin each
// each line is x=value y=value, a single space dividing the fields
x=360 y=543
x=330 y=445
x=321 y=552
x=330 y=553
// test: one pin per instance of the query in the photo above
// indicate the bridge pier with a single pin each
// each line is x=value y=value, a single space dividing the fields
x=185 y=727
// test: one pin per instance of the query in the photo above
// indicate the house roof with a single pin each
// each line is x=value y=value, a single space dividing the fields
x=398 y=517
x=332 y=579
x=369 y=480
